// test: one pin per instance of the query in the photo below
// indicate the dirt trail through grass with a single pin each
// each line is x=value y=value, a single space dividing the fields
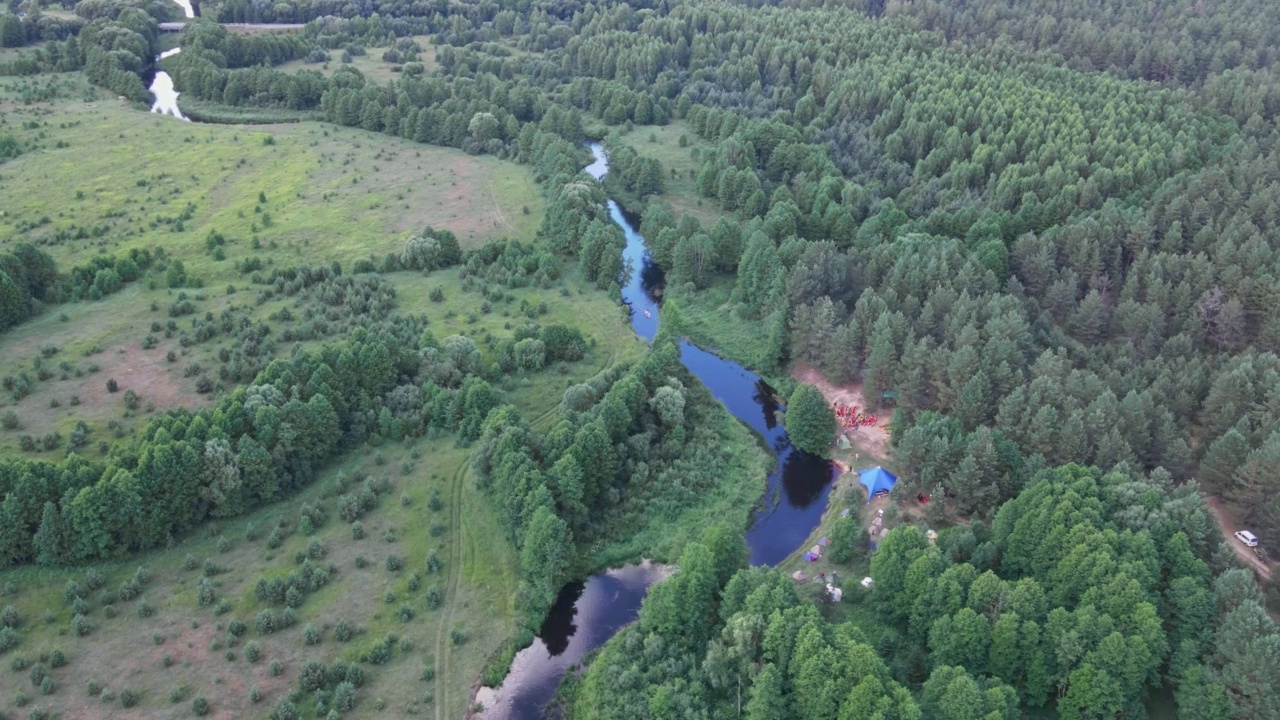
x=443 y=647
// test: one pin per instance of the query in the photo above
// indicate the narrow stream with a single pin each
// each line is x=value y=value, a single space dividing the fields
x=586 y=614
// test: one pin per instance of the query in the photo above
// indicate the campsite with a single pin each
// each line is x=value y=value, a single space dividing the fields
x=619 y=360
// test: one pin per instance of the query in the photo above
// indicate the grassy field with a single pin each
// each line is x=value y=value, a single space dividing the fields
x=662 y=142
x=371 y=65
x=287 y=195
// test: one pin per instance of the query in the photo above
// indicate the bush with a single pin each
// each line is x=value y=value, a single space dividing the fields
x=394 y=564
x=435 y=598
x=275 y=668
x=314 y=676
x=145 y=609
x=57 y=659
x=310 y=635
x=128 y=698
x=112 y=385
x=9 y=617
x=342 y=631
x=93 y=687
x=457 y=636
x=252 y=652
x=357 y=530
x=200 y=706
x=205 y=592
x=255 y=694
x=80 y=625
x=47 y=686
x=406 y=613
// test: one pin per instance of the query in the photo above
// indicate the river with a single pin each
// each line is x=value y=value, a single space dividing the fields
x=162 y=87
x=588 y=613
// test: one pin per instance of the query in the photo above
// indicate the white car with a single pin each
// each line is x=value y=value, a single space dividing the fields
x=1247 y=538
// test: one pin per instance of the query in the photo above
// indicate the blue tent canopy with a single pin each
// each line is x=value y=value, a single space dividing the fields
x=876 y=479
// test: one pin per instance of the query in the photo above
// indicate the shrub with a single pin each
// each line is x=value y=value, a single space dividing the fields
x=342 y=631
x=223 y=544
x=38 y=673
x=435 y=598
x=457 y=636
x=394 y=564
x=314 y=676
x=200 y=707
x=255 y=694
x=265 y=623
x=57 y=659
x=47 y=686
x=145 y=608
x=9 y=617
x=285 y=709
x=80 y=625
x=177 y=694
x=310 y=635
x=275 y=668
x=434 y=563
x=93 y=687
x=128 y=698
x=18 y=663
x=112 y=385
x=10 y=421
x=316 y=550
x=357 y=530
x=406 y=613
x=252 y=652
x=131 y=400
x=188 y=562
x=205 y=592
x=344 y=696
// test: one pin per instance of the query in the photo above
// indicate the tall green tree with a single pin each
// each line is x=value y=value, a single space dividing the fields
x=810 y=422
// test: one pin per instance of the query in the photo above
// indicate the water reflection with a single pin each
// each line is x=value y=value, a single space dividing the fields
x=584 y=615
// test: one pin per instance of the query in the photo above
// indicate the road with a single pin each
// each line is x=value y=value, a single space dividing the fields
x=1229 y=526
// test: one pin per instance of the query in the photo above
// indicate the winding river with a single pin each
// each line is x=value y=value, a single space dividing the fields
x=588 y=613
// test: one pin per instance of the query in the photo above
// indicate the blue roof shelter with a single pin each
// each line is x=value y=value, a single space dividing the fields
x=877 y=479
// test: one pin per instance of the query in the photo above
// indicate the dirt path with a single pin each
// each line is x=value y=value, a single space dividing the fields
x=497 y=209
x=873 y=440
x=444 y=646
x=1229 y=526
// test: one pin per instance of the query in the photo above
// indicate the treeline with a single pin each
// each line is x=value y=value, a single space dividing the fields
x=255 y=445
x=28 y=280
x=633 y=445
x=235 y=69
x=1087 y=592
x=116 y=43
x=35 y=27
x=1223 y=49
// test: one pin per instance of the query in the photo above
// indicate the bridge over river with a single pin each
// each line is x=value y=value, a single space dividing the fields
x=174 y=27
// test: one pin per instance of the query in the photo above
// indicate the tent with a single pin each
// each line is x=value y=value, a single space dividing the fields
x=799 y=576
x=877 y=479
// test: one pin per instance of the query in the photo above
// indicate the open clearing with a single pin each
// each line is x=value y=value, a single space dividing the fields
x=284 y=195
x=681 y=187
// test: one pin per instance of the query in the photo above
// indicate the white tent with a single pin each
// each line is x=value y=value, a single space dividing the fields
x=867 y=582
x=835 y=592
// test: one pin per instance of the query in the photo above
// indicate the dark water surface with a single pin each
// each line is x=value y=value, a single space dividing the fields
x=588 y=613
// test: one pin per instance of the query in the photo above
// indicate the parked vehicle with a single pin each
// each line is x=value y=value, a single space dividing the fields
x=1248 y=538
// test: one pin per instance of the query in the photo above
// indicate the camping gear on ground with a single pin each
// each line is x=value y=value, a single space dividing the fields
x=799 y=576
x=867 y=582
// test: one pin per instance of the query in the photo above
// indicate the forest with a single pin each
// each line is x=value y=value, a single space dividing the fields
x=1040 y=237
